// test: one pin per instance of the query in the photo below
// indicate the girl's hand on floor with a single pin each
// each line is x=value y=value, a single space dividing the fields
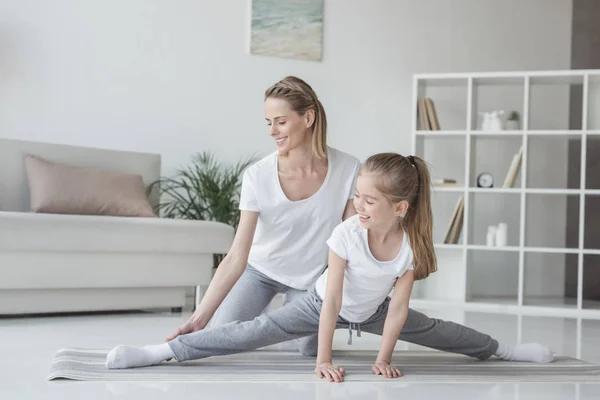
x=333 y=373
x=194 y=324
x=384 y=368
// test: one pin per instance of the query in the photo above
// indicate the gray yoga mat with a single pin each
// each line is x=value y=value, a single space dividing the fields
x=266 y=365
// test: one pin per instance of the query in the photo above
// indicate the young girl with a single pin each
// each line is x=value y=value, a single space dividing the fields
x=386 y=246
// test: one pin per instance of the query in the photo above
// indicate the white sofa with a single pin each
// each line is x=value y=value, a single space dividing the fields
x=70 y=263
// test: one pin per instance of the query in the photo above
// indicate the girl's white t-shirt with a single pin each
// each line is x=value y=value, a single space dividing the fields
x=290 y=241
x=367 y=281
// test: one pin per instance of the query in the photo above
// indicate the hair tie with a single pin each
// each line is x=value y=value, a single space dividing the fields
x=412 y=160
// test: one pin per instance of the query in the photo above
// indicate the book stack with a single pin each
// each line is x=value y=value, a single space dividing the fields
x=427 y=115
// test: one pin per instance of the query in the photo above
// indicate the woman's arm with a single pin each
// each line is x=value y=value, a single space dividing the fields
x=229 y=271
x=396 y=316
x=332 y=303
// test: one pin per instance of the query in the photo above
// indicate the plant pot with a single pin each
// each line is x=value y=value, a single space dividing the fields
x=511 y=125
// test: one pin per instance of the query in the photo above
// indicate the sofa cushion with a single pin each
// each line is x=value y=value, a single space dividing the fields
x=22 y=231
x=63 y=189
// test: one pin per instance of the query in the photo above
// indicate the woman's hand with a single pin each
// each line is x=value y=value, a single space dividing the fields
x=192 y=325
x=333 y=373
x=384 y=368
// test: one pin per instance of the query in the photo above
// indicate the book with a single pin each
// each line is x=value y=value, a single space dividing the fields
x=428 y=119
x=423 y=119
x=455 y=226
x=511 y=175
x=432 y=115
x=442 y=181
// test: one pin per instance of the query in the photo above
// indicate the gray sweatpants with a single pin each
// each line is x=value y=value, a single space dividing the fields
x=239 y=325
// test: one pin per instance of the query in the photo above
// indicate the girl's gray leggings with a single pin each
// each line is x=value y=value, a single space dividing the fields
x=240 y=324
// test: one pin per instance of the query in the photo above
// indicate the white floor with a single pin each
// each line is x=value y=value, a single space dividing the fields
x=28 y=346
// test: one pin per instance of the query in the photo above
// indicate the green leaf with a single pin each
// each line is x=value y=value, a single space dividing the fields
x=205 y=189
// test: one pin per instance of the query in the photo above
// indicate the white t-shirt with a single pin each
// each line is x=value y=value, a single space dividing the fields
x=290 y=242
x=367 y=281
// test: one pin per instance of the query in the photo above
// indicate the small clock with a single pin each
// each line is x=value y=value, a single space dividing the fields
x=485 y=180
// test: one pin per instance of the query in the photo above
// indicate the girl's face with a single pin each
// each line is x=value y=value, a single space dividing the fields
x=373 y=208
x=289 y=129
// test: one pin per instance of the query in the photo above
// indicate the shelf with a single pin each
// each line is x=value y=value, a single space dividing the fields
x=440 y=133
x=532 y=132
x=550 y=250
x=494 y=248
x=550 y=262
x=517 y=190
x=478 y=247
x=451 y=189
x=499 y=300
x=494 y=190
x=446 y=246
x=506 y=308
x=552 y=191
x=526 y=249
x=507 y=74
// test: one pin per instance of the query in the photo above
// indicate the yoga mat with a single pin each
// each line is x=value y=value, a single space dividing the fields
x=268 y=365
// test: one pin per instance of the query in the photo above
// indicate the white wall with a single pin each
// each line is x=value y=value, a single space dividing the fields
x=173 y=77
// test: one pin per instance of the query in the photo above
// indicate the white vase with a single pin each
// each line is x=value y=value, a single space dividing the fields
x=501 y=235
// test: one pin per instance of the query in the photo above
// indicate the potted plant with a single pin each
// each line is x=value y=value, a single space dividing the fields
x=206 y=189
x=512 y=122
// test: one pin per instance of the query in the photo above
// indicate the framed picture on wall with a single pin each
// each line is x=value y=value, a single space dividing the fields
x=288 y=29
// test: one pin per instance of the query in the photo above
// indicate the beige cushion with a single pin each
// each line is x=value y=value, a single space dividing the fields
x=63 y=189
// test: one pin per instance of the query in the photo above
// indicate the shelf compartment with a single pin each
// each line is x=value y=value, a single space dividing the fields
x=447 y=283
x=550 y=279
x=552 y=221
x=503 y=266
x=445 y=158
x=443 y=206
x=591 y=227
x=550 y=102
x=593 y=103
x=487 y=209
x=449 y=99
x=592 y=163
x=547 y=157
x=591 y=281
x=494 y=155
x=497 y=94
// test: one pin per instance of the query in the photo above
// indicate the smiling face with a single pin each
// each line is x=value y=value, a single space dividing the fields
x=373 y=208
x=289 y=129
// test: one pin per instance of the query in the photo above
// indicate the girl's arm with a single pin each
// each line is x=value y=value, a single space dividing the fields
x=332 y=303
x=396 y=316
x=230 y=270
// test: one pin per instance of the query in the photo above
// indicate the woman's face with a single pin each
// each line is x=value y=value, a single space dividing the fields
x=288 y=128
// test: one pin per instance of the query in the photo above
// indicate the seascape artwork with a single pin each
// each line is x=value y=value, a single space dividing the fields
x=287 y=28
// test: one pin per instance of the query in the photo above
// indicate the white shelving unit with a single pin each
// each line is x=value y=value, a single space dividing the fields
x=528 y=276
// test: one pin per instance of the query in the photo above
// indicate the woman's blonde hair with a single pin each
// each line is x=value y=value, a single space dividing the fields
x=301 y=98
x=407 y=178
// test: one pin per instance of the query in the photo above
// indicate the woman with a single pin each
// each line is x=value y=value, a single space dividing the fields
x=290 y=203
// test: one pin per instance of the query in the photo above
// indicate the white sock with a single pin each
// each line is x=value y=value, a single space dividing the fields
x=131 y=357
x=528 y=352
